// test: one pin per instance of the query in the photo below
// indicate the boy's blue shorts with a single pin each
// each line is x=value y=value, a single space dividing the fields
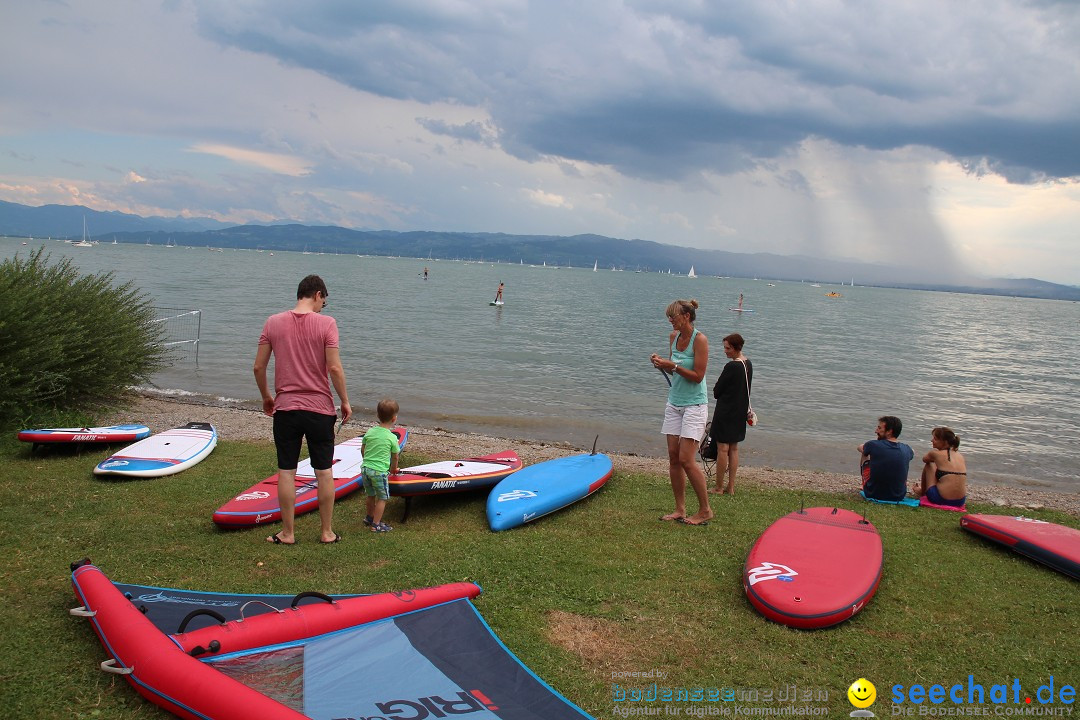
x=375 y=483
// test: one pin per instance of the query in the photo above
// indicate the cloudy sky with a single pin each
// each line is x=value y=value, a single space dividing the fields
x=898 y=131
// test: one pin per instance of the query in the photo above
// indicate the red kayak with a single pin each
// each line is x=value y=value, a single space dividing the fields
x=814 y=568
x=1051 y=544
x=259 y=505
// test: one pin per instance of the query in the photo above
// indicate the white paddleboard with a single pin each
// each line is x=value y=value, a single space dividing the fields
x=499 y=303
x=166 y=453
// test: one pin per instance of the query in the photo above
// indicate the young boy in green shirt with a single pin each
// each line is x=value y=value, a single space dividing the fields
x=380 y=450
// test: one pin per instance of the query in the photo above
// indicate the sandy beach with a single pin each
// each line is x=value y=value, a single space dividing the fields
x=233 y=423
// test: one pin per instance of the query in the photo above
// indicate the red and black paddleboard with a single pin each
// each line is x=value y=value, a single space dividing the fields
x=1051 y=544
x=814 y=568
x=110 y=434
x=454 y=475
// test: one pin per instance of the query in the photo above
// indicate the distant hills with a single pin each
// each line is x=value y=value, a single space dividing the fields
x=66 y=221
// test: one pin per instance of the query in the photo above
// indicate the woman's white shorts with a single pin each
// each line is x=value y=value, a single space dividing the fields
x=687 y=421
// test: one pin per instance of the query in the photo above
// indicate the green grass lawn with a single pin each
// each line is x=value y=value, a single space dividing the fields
x=597 y=589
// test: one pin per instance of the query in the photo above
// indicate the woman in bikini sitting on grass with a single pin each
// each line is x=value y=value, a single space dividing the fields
x=944 y=475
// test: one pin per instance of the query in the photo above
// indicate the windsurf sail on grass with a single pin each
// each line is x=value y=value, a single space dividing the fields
x=442 y=661
x=438 y=661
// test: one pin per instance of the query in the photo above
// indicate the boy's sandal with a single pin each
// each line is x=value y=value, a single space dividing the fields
x=381 y=528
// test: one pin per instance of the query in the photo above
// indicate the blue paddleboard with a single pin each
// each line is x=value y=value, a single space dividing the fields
x=540 y=489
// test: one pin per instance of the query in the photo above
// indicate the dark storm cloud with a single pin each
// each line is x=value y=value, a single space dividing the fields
x=660 y=90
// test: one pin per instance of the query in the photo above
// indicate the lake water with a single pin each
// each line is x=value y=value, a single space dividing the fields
x=567 y=357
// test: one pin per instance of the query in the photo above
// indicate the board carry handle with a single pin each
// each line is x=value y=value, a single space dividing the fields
x=81 y=611
x=256 y=602
x=110 y=666
x=196 y=613
x=296 y=600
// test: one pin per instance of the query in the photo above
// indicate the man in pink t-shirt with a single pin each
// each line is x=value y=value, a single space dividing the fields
x=304 y=344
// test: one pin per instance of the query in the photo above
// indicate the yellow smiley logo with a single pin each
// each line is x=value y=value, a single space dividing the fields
x=862 y=693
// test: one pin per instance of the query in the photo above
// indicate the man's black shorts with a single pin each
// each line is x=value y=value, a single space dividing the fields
x=292 y=426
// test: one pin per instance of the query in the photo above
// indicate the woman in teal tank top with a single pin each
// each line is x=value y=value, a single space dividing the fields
x=687 y=409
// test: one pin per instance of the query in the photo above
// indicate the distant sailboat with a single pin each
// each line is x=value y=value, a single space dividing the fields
x=594 y=266
x=691 y=273
x=84 y=242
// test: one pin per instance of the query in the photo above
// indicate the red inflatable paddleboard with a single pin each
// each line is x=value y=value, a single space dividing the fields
x=1051 y=544
x=259 y=505
x=814 y=568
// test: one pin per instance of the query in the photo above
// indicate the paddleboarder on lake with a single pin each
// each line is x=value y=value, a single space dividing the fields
x=687 y=409
x=498 y=293
x=304 y=343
